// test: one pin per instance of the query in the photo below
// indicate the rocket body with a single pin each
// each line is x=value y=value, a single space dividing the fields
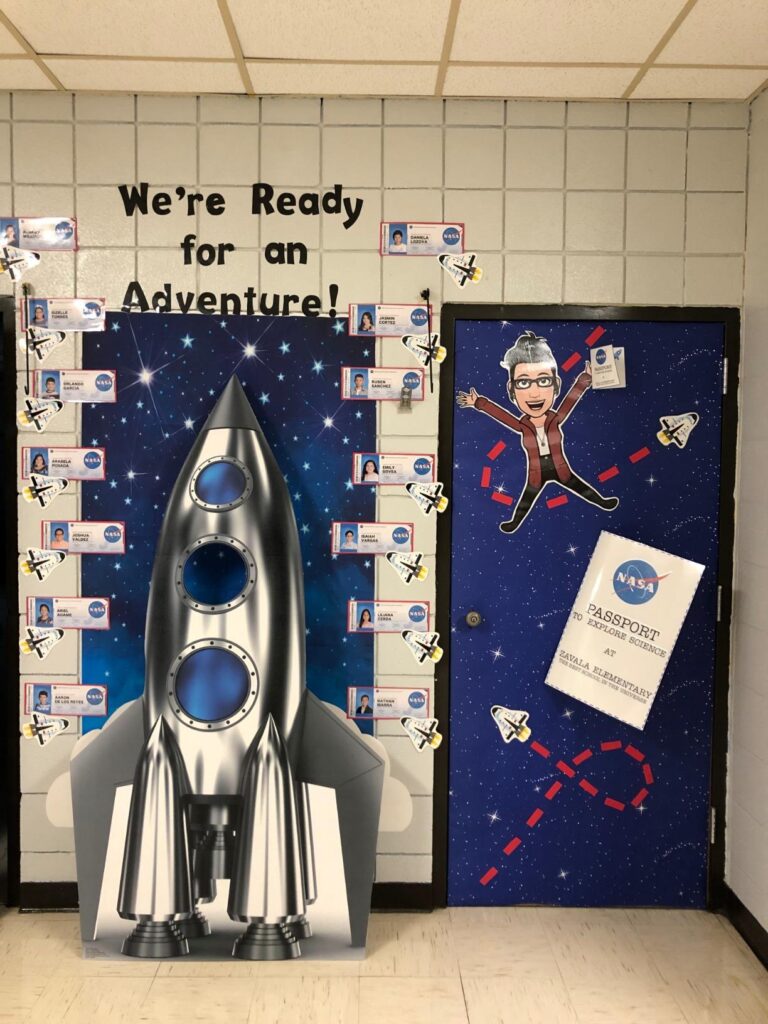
x=225 y=688
x=225 y=620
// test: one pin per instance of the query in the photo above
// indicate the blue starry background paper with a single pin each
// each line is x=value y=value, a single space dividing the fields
x=581 y=853
x=170 y=371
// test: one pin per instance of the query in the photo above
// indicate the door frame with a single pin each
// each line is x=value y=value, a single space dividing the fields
x=10 y=800
x=730 y=318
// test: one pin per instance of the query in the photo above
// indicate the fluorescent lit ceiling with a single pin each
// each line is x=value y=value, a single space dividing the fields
x=575 y=49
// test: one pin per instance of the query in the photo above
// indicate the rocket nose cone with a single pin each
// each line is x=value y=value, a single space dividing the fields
x=232 y=410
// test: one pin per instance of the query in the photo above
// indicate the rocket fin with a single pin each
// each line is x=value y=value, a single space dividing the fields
x=96 y=771
x=333 y=754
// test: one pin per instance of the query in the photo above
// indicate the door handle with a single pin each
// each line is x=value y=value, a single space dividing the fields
x=473 y=619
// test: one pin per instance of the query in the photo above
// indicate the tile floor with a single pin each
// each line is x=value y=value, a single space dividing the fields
x=463 y=966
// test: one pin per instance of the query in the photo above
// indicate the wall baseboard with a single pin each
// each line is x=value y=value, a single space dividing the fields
x=746 y=924
x=393 y=896
x=37 y=896
x=387 y=896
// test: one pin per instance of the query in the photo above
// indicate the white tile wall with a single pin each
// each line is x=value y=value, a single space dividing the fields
x=747 y=820
x=581 y=202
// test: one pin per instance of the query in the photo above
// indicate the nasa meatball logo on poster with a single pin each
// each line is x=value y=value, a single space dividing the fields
x=623 y=627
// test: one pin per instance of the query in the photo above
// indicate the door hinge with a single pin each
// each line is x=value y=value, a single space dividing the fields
x=712 y=825
x=725 y=375
x=719 y=601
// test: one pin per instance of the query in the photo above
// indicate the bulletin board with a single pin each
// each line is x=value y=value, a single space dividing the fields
x=171 y=369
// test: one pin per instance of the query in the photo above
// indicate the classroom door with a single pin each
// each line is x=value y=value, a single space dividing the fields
x=523 y=828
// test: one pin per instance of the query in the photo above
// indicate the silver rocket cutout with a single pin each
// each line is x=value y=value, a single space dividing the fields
x=234 y=738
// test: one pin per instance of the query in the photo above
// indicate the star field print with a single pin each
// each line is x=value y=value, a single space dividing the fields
x=171 y=369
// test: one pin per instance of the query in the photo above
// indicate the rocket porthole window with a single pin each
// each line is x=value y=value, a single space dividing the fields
x=221 y=484
x=215 y=574
x=212 y=684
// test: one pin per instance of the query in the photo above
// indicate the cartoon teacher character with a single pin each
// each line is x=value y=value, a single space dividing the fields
x=533 y=386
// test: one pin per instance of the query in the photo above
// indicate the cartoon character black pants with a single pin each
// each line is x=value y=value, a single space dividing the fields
x=549 y=476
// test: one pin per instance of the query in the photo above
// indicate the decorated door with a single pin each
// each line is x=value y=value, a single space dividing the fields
x=551 y=801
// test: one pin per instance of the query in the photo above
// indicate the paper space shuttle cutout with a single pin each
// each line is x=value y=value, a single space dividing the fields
x=40 y=342
x=425 y=348
x=40 y=641
x=462 y=268
x=40 y=562
x=422 y=732
x=429 y=497
x=43 y=489
x=513 y=725
x=677 y=429
x=38 y=413
x=423 y=645
x=43 y=729
x=408 y=567
x=15 y=262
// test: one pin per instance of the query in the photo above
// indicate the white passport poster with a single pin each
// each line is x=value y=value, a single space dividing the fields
x=623 y=627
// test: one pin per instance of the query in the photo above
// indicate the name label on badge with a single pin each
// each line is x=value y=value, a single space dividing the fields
x=370 y=538
x=69 y=463
x=386 y=468
x=79 y=537
x=387 y=702
x=381 y=384
x=368 y=320
x=67 y=314
x=76 y=385
x=428 y=238
x=77 y=699
x=386 y=616
x=39 y=234
x=68 y=612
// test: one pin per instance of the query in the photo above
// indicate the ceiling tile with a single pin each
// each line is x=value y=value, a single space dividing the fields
x=698 y=84
x=22 y=74
x=332 y=30
x=7 y=42
x=570 y=83
x=342 y=79
x=715 y=32
x=173 y=28
x=598 y=31
x=146 y=76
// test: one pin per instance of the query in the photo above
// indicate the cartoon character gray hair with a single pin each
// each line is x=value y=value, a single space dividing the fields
x=530 y=348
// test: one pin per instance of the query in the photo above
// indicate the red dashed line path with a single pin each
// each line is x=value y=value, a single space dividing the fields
x=584 y=784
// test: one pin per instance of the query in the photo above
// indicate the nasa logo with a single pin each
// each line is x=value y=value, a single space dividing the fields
x=64 y=230
x=94 y=696
x=411 y=380
x=451 y=236
x=419 y=316
x=97 y=609
x=416 y=699
x=103 y=382
x=92 y=460
x=422 y=466
x=600 y=356
x=112 y=534
x=400 y=535
x=635 y=582
x=417 y=613
x=92 y=309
